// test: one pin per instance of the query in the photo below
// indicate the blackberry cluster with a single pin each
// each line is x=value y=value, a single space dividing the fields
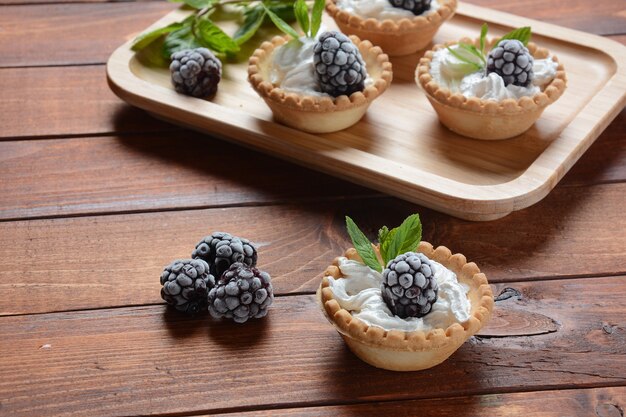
x=195 y=72
x=339 y=66
x=416 y=6
x=409 y=288
x=220 y=250
x=241 y=293
x=186 y=284
x=511 y=60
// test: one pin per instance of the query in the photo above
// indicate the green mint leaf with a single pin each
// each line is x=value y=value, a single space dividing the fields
x=301 y=11
x=362 y=245
x=199 y=4
x=147 y=38
x=406 y=238
x=483 y=37
x=214 y=38
x=284 y=11
x=180 y=39
x=316 y=16
x=474 y=51
x=384 y=246
x=382 y=234
x=281 y=24
x=253 y=18
x=463 y=59
x=522 y=34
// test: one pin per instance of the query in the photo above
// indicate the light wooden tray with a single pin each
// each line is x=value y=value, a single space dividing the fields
x=399 y=147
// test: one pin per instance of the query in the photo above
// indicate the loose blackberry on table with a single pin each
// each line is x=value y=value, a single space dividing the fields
x=339 y=66
x=241 y=293
x=186 y=284
x=220 y=250
x=512 y=61
x=409 y=287
x=195 y=72
x=416 y=6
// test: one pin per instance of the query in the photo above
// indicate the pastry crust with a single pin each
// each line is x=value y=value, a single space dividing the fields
x=318 y=114
x=402 y=37
x=410 y=351
x=488 y=119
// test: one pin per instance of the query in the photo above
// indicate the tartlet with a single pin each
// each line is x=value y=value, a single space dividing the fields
x=318 y=114
x=410 y=351
x=488 y=119
x=396 y=38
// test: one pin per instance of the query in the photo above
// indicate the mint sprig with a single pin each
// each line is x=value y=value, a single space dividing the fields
x=402 y=239
x=310 y=26
x=522 y=34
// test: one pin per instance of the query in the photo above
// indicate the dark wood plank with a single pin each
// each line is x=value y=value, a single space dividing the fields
x=62 y=101
x=65 y=34
x=182 y=169
x=603 y=17
x=575 y=231
x=146 y=360
x=596 y=402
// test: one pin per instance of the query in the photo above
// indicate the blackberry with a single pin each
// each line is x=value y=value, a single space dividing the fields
x=241 y=293
x=416 y=6
x=195 y=72
x=409 y=287
x=339 y=66
x=220 y=250
x=186 y=284
x=511 y=60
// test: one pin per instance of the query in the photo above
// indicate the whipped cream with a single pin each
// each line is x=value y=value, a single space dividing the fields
x=450 y=72
x=359 y=292
x=380 y=9
x=293 y=67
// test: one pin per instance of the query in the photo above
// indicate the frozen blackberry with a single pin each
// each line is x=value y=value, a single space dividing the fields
x=409 y=287
x=241 y=293
x=511 y=60
x=186 y=284
x=220 y=250
x=339 y=66
x=416 y=6
x=195 y=72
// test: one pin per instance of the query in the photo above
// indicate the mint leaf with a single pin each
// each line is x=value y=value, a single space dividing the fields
x=199 y=4
x=463 y=59
x=180 y=39
x=522 y=34
x=406 y=238
x=214 y=38
x=483 y=37
x=302 y=15
x=253 y=18
x=384 y=245
x=283 y=10
x=362 y=245
x=316 y=16
x=281 y=24
x=473 y=50
x=147 y=38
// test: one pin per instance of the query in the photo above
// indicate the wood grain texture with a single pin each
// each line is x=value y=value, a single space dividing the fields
x=62 y=101
x=148 y=172
x=594 y=402
x=66 y=34
x=43 y=263
x=605 y=17
x=147 y=360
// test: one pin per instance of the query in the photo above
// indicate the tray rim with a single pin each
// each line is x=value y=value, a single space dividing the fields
x=471 y=202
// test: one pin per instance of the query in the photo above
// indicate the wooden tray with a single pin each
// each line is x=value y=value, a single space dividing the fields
x=399 y=147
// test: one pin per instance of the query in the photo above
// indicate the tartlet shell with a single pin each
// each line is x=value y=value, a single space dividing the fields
x=311 y=113
x=488 y=119
x=396 y=38
x=409 y=351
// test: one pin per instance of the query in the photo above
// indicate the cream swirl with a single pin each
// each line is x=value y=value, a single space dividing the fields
x=359 y=292
x=452 y=73
x=293 y=67
x=379 y=9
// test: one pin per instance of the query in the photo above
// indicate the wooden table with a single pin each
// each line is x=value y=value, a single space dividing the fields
x=97 y=197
